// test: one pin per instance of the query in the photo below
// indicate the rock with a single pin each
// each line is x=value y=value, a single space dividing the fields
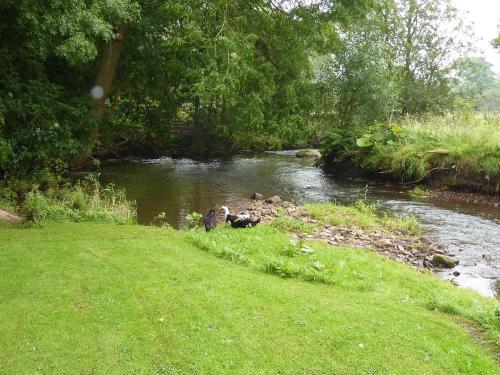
x=307 y=153
x=275 y=199
x=257 y=196
x=456 y=273
x=426 y=263
x=9 y=218
x=440 y=260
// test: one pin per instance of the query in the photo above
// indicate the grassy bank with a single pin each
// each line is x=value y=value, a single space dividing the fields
x=453 y=150
x=107 y=298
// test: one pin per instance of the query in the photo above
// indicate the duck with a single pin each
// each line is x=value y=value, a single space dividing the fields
x=210 y=220
x=241 y=220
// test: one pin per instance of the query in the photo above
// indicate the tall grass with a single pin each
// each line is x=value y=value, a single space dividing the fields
x=414 y=149
x=467 y=145
x=88 y=200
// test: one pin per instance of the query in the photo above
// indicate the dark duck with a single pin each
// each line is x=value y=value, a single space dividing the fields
x=210 y=220
x=241 y=220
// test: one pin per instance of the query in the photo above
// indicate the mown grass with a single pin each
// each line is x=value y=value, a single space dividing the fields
x=105 y=298
x=362 y=215
x=270 y=251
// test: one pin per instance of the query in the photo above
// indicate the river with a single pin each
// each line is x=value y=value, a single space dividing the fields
x=180 y=186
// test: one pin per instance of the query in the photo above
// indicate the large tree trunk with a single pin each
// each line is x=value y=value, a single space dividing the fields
x=102 y=87
x=105 y=75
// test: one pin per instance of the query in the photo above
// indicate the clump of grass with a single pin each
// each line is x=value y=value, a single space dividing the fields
x=287 y=223
x=85 y=201
x=363 y=215
x=419 y=192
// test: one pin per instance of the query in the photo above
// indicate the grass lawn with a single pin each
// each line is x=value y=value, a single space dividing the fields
x=106 y=298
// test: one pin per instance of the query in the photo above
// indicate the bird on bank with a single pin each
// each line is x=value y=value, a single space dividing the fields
x=210 y=220
x=241 y=220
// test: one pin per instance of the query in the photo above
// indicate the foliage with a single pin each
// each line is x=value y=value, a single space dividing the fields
x=86 y=201
x=397 y=60
x=474 y=77
x=194 y=219
x=40 y=132
x=136 y=299
x=238 y=72
x=463 y=144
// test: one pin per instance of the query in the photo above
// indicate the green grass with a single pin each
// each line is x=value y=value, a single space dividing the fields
x=470 y=145
x=87 y=200
x=362 y=215
x=467 y=146
x=106 y=298
x=287 y=223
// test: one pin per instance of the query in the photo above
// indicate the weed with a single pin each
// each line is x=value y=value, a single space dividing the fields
x=194 y=219
x=85 y=201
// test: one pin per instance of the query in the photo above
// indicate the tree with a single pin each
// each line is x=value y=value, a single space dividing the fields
x=239 y=70
x=360 y=76
x=426 y=46
x=473 y=77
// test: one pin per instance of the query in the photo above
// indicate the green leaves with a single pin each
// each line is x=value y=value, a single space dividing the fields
x=365 y=141
x=77 y=49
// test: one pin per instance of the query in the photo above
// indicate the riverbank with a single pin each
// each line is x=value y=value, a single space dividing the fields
x=125 y=298
x=359 y=226
x=459 y=152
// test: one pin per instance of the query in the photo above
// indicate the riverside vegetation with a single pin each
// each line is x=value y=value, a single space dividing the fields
x=455 y=150
x=102 y=297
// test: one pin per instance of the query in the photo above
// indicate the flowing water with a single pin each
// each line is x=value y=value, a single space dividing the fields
x=180 y=186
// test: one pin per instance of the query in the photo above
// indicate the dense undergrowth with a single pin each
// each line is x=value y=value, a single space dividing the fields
x=460 y=146
x=87 y=200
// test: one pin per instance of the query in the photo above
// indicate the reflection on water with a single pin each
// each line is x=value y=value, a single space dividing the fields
x=178 y=187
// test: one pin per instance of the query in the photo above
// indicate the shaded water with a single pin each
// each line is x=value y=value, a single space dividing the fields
x=178 y=187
